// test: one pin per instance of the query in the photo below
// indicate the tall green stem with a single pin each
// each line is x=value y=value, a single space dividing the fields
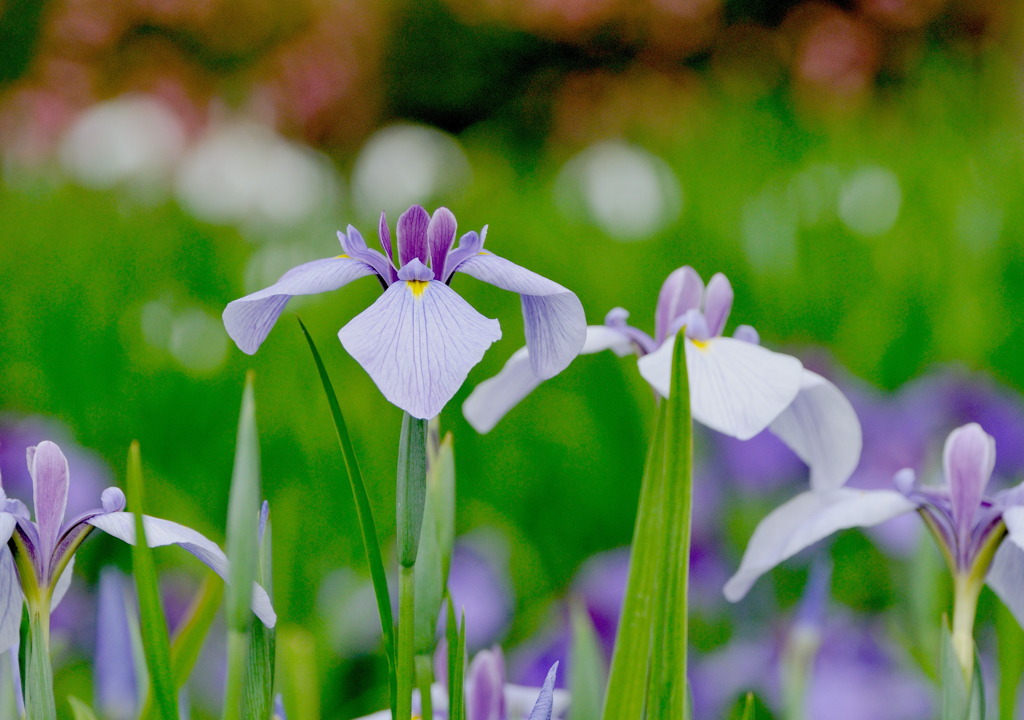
x=39 y=702
x=409 y=501
x=967 y=588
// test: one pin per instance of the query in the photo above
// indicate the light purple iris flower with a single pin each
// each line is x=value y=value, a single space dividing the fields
x=489 y=697
x=45 y=547
x=419 y=340
x=737 y=387
x=967 y=524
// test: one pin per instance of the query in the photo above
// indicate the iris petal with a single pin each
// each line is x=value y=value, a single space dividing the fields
x=822 y=428
x=968 y=458
x=805 y=520
x=49 y=470
x=10 y=594
x=249 y=320
x=161 y=532
x=418 y=342
x=545 y=701
x=1006 y=575
x=735 y=388
x=555 y=324
x=491 y=400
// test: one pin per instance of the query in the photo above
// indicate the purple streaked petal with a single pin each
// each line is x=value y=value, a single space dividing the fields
x=806 y=519
x=470 y=245
x=49 y=469
x=384 y=233
x=555 y=325
x=485 y=686
x=116 y=684
x=492 y=399
x=418 y=342
x=161 y=532
x=11 y=598
x=680 y=293
x=968 y=459
x=412 y=235
x=545 y=700
x=717 y=303
x=440 y=236
x=735 y=388
x=822 y=428
x=355 y=247
x=249 y=320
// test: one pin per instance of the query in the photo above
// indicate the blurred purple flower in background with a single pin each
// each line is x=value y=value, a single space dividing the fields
x=736 y=387
x=419 y=340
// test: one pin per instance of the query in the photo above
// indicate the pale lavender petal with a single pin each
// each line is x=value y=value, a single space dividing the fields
x=161 y=532
x=555 y=324
x=822 y=428
x=249 y=320
x=384 y=233
x=545 y=701
x=747 y=333
x=485 y=687
x=60 y=588
x=116 y=685
x=418 y=342
x=355 y=247
x=805 y=520
x=412 y=235
x=968 y=459
x=49 y=470
x=717 y=303
x=520 y=700
x=440 y=236
x=11 y=598
x=470 y=245
x=492 y=399
x=1006 y=578
x=735 y=388
x=681 y=292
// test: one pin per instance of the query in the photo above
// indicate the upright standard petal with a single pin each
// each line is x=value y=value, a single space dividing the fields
x=681 y=292
x=485 y=686
x=491 y=400
x=735 y=388
x=718 y=303
x=968 y=457
x=418 y=342
x=822 y=428
x=805 y=520
x=249 y=320
x=49 y=470
x=412 y=235
x=545 y=701
x=440 y=236
x=555 y=324
x=161 y=532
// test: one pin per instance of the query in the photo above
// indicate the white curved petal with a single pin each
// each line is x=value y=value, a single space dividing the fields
x=418 y=342
x=63 y=583
x=11 y=599
x=249 y=320
x=492 y=399
x=735 y=388
x=1006 y=576
x=161 y=532
x=822 y=428
x=805 y=520
x=553 y=317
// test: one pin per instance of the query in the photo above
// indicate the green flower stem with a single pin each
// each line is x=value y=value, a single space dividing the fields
x=39 y=701
x=424 y=680
x=406 y=649
x=238 y=650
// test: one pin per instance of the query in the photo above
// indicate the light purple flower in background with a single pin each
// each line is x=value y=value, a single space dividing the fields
x=114 y=673
x=967 y=523
x=46 y=546
x=419 y=340
x=737 y=387
x=478 y=585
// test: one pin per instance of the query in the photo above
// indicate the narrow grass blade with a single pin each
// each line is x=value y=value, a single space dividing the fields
x=258 y=695
x=152 y=623
x=668 y=677
x=79 y=710
x=436 y=543
x=364 y=513
x=457 y=671
x=192 y=631
x=748 y=708
x=586 y=668
x=627 y=678
x=242 y=550
x=300 y=682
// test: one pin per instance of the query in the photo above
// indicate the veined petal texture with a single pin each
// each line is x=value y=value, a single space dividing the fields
x=418 y=342
x=545 y=701
x=49 y=470
x=822 y=428
x=968 y=458
x=491 y=400
x=249 y=320
x=161 y=532
x=554 y=321
x=10 y=595
x=735 y=388
x=805 y=520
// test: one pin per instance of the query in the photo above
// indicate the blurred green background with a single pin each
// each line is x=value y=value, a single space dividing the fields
x=855 y=168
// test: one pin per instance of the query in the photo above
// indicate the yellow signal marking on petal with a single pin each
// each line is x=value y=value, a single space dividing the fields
x=417 y=287
x=343 y=257
x=702 y=344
